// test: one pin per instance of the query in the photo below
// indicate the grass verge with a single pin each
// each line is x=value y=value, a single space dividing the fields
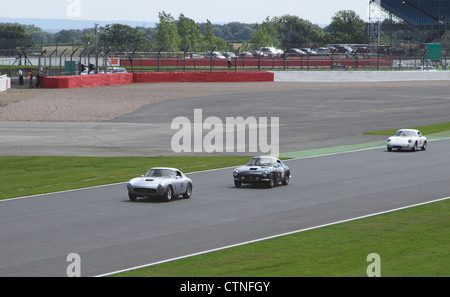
x=425 y=130
x=24 y=176
x=412 y=242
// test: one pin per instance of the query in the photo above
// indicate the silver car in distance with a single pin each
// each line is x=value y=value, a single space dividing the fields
x=409 y=139
x=163 y=182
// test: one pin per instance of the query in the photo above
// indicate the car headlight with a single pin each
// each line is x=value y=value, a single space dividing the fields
x=235 y=172
x=159 y=188
x=128 y=185
x=388 y=140
x=264 y=173
x=409 y=140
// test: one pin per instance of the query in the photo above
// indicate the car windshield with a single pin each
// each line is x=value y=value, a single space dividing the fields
x=405 y=133
x=157 y=172
x=262 y=162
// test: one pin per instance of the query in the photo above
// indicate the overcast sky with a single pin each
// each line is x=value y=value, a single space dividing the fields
x=217 y=11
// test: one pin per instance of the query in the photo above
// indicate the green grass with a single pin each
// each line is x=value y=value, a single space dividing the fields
x=411 y=242
x=24 y=176
x=429 y=129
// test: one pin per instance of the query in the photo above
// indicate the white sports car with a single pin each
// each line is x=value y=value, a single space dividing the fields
x=410 y=139
x=160 y=182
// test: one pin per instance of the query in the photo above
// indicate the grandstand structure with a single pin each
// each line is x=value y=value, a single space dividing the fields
x=424 y=21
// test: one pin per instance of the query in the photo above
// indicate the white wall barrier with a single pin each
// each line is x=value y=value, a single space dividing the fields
x=5 y=83
x=358 y=76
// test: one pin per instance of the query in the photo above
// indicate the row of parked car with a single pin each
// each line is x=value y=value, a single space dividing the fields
x=264 y=52
x=272 y=52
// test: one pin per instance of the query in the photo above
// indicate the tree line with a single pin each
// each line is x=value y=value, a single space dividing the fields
x=183 y=33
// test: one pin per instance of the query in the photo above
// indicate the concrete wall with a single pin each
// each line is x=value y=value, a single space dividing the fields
x=358 y=76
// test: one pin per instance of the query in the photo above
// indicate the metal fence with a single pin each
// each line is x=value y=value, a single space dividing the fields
x=70 y=61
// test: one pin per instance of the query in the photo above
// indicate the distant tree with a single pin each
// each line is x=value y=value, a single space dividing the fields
x=211 y=40
x=284 y=32
x=150 y=33
x=14 y=37
x=190 y=35
x=88 y=38
x=209 y=33
x=123 y=37
x=68 y=36
x=233 y=31
x=347 y=27
x=167 y=33
x=295 y=32
x=265 y=35
x=39 y=36
x=244 y=33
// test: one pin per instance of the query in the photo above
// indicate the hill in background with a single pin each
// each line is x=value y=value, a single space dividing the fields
x=56 y=25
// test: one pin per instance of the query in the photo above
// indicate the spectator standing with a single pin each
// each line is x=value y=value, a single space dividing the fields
x=30 y=79
x=229 y=61
x=20 y=77
x=38 y=79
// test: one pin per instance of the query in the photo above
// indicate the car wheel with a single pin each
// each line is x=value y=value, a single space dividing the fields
x=424 y=147
x=286 y=179
x=188 y=193
x=271 y=181
x=132 y=197
x=413 y=149
x=237 y=183
x=169 y=193
x=389 y=149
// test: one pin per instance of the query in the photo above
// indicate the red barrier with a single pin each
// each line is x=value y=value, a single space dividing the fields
x=98 y=80
x=203 y=76
x=82 y=81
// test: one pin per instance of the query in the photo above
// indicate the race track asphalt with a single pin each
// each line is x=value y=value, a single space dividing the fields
x=111 y=233
x=309 y=119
